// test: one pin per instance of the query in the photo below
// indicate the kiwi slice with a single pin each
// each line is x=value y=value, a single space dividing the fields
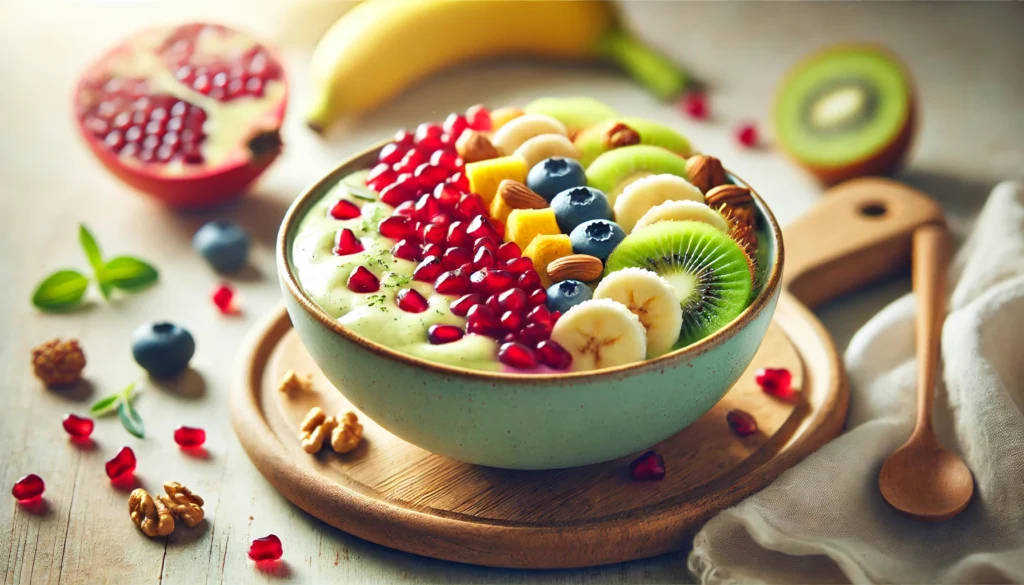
x=846 y=111
x=591 y=141
x=611 y=172
x=707 y=269
x=576 y=113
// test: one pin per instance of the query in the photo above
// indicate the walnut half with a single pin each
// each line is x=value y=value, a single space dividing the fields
x=58 y=363
x=347 y=435
x=314 y=429
x=151 y=516
x=182 y=503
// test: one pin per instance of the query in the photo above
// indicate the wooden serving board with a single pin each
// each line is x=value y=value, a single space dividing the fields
x=393 y=493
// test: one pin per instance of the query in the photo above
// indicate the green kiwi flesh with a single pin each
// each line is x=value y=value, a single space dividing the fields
x=706 y=268
x=590 y=142
x=611 y=172
x=576 y=113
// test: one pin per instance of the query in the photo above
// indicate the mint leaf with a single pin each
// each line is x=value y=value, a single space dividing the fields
x=129 y=274
x=105 y=405
x=60 y=290
x=130 y=419
x=95 y=257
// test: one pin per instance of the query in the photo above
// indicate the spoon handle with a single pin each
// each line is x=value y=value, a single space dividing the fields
x=930 y=268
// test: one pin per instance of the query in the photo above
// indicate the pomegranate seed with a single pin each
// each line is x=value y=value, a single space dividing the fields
x=396 y=227
x=508 y=251
x=479 y=118
x=513 y=299
x=382 y=181
x=434 y=234
x=121 y=464
x=483 y=259
x=741 y=422
x=428 y=270
x=362 y=281
x=463 y=304
x=346 y=242
x=189 y=437
x=510 y=320
x=459 y=180
x=452 y=283
x=441 y=334
x=433 y=250
x=345 y=209
x=411 y=301
x=538 y=297
x=534 y=333
x=493 y=305
x=405 y=208
x=539 y=315
x=517 y=355
x=457 y=235
x=381 y=170
x=480 y=227
x=696 y=105
x=519 y=265
x=406 y=250
x=28 y=488
x=447 y=196
x=430 y=175
x=746 y=134
x=77 y=426
x=648 y=467
x=399 y=192
x=486 y=242
x=553 y=355
x=509 y=338
x=455 y=257
x=471 y=205
x=446 y=159
x=488 y=280
x=481 y=320
x=441 y=219
x=454 y=124
x=404 y=138
x=429 y=136
x=412 y=159
x=529 y=279
x=392 y=153
x=777 y=382
x=267 y=548
x=224 y=299
x=555 y=316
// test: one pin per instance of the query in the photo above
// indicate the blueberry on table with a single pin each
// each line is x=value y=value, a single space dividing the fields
x=163 y=349
x=597 y=237
x=224 y=244
x=579 y=204
x=553 y=175
x=565 y=295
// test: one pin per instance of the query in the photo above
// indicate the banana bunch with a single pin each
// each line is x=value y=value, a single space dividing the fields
x=381 y=47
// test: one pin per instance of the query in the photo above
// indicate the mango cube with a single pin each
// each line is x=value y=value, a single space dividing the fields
x=523 y=225
x=545 y=248
x=484 y=176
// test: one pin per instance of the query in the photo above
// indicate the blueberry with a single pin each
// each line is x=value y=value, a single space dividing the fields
x=565 y=295
x=597 y=237
x=163 y=349
x=579 y=204
x=224 y=244
x=553 y=175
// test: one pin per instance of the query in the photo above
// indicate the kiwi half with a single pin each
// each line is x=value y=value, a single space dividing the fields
x=576 y=113
x=591 y=141
x=846 y=111
x=614 y=170
x=707 y=269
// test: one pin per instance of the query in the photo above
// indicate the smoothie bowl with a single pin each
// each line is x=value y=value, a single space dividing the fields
x=531 y=290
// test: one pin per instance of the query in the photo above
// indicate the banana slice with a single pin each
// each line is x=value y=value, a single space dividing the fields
x=545 y=146
x=601 y=334
x=518 y=130
x=641 y=195
x=683 y=211
x=652 y=299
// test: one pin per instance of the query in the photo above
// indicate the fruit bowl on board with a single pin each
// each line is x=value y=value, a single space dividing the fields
x=526 y=421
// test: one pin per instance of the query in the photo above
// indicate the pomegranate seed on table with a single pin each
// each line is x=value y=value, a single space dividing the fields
x=746 y=134
x=345 y=209
x=28 y=488
x=463 y=304
x=517 y=355
x=267 y=548
x=122 y=464
x=455 y=257
x=189 y=437
x=553 y=355
x=225 y=299
x=508 y=251
x=362 y=280
x=441 y=334
x=696 y=105
x=346 y=242
x=428 y=270
x=452 y=283
x=648 y=467
x=411 y=301
x=777 y=382
x=741 y=422
x=396 y=227
x=479 y=118
x=78 y=427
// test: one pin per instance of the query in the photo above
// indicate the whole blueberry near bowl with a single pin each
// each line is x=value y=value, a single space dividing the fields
x=565 y=295
x=163 y=349
x=597 y=237
x=224 y=244
x=579 y=204
x=553 y=175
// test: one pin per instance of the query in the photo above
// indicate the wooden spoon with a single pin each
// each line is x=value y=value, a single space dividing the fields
x=922 y=479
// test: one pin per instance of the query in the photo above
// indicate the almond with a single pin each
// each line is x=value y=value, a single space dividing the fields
x=575 y=267
x=620 y=135
x=518 y=196
x=705 y=172
x=731 y=195
x=473 y=146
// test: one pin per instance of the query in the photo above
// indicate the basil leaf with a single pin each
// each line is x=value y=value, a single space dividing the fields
x=60 y=290
x=130 y=419
x=105 y=405
x=95 y=257
x=129 y=274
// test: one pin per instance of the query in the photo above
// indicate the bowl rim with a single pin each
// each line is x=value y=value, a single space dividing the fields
x=365 y=158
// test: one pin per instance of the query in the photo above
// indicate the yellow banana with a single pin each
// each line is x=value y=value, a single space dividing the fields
x=380 y=47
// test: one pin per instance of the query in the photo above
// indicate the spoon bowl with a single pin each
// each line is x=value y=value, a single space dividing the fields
x=925 y=481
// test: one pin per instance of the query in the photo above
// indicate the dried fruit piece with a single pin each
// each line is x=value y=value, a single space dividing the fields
x=741 y=422
x=267 y=548
x=77 y=426
x=28 y=488
x=347 y=434
x=122 y=464
x=58 y=363
x=189 y=437
x=291 y=383
x=183 y=504
x=777 y=382
x=648 y=467
x=149 y=514
x=314 y=429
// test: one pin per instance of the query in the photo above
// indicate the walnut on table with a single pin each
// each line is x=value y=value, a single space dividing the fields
x=292 y=384
x=58 y=363
x=347 y=434
x=315 y=428
x=183 y=504
x=151 y=515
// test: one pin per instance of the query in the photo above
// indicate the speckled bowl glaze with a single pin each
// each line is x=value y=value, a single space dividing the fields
x=518 y=421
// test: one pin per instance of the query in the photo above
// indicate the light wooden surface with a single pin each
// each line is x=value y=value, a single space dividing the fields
x=965 y=56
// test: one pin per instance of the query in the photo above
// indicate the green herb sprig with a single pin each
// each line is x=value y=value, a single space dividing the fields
x=121 y=402
x=65 y=288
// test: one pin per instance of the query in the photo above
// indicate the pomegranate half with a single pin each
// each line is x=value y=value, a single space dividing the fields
x=190 y=114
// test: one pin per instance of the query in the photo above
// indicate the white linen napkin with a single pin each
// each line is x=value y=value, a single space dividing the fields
x=824 y=521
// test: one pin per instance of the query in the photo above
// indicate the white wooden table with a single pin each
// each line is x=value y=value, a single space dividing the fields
x=968 y=59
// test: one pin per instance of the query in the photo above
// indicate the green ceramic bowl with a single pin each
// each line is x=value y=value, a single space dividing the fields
x=519 y=421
